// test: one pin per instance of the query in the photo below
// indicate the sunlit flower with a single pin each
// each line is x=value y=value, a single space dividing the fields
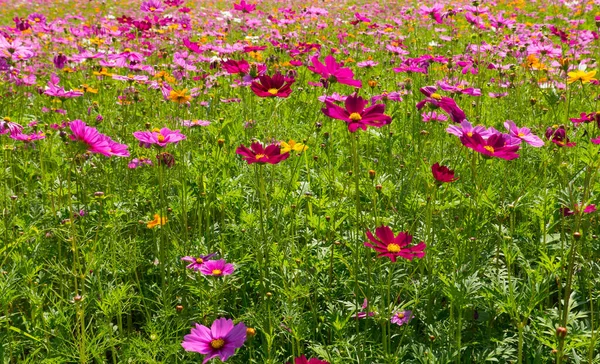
x=388 y=245
x=579 y=75
x=292 y=145
x=216 y=268
x=158 y=221
x=257 y=153
x=180 y=97
x=402 y=317
x=197 y=262
x=221 y=340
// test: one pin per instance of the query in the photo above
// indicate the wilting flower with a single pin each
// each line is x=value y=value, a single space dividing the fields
x=259 y=154
x=222 y=339
x=303 y=360
x=157 y=221
x=292 y=145
x=196 y=263
x=275 y=86
x=363 y=313
x=523 y=134
x=587 y=210
x=402 y=317
x=443 y=174
x=445 y=103
x=139 y=162
x=333 y=72
x=160 y=137
x=388 y=245
x=216 y=268
x=584 y=77
x=356 y=115
x=7 y=126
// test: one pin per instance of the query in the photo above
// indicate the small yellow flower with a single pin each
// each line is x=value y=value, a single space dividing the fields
x=157 y=221
x=103 y=72
x=292 y=145
x=582 y=76
x=180 y=97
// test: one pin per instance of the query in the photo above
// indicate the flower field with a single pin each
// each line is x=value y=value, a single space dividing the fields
x=278 y=181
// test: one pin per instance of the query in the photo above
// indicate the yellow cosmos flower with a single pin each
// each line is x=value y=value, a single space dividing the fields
x=582 y=76
x=292 y=145
x=157 y=221
x=180 y=97
x=103 y=72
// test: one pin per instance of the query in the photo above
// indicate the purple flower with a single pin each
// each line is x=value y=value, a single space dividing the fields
x=523 y=134
x=216 y=268
x=191 y=123
x=139 y=162
x=445 y=103
x=433 y=116
x=332 y=71
x=402 y=317
x=152 y=6
x=27 y=138
x=196 y=263
x=467 y=129
x=161 y=137
x=220 y=340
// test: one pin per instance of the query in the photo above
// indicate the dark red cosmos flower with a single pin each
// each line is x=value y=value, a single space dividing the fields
x=443 y=174
x=496 y=145
x=559 y=137
x=388 y=245
x=259 y=154
x=275 y=86
x=356 y=115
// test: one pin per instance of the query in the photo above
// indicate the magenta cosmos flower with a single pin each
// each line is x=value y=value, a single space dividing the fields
x=259 y=154
x=275 y=86
x=244 y=7
x=443 y=174
x=445 y=103
x=388 y=245
x=222 y=339
x=196 y=263
x=160 y=137
x=216 y=268
x=402 y=317
x=303 y=360
x=333 y=72
x=496 y=145
x=152 y=6
x=94 y=141
x=356 y=115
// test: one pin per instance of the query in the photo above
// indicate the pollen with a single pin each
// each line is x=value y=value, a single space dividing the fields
x=355 y=116
x=199 y=260
x=393 y=248
x=489 y=148
x=217 y=344
x=520 y=135
x=160 y=138
x=272 y=91
x=470 y=134
x=436 y=96
x=216 y=272
x=260 y=156
x=400 y=315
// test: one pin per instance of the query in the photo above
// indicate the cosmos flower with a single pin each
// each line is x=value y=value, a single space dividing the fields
x=402 y=317
x=197 y=262
x=180 y=97
x=577 y=208
x=292 y=145
x=89 y=137
x=192 y=123
x=27 y=138
x=579 y=75
x=496 y=145
x=157 y=221
x=443 y=174
x=221 y=340
x=303 y=360
x=356 y=115
x=523 y=134
x=333 y=72
x=445 y=103
x=152 y=6
x=160 y=137
x=257 y=153
x=363 y=313
x=139 y=162
x=244 y=7
x=216 y=268
x=559 y=137
x=388 y=245
x=275 y=86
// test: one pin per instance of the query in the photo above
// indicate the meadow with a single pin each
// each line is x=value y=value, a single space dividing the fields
x=314 y=182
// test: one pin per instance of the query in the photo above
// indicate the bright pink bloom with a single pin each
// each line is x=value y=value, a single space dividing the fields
x=236 y=67
x=587 y=210
x=197 y=262
x=303 y=360
x=259 y=154
x=244 y=7
x=445 y=103
x=161 y=137
x=152 y=6
x=217 y=268
x=356 y=115
x=523 y=134
x=402 y=317
x=388 y=245
x=496 y=145
x=467 y=129
x=333 y=72
x=275 y=86
x=222 y=339
x=90 y=137
x=27 y=138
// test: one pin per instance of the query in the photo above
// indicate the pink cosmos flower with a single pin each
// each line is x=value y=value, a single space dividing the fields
x=467 y=129
x=27 y=138
x=587 y=210
x=367 y=64
x=333 y=72
x=232 y=66
x=160 y=137
x=523 y=134
x=388 y=245
x=496 y=145
x=433 y=116
x=152 y=6
x=275 y=86
x=303 y=360
x=139 y=162
x=222 y=339
x=244 y=7
x=10 y=127
x=217 y=268
x=363 y=313
x=402 y=317
x=445 y=103
x=259 y=154
x=90 y=137
x=191 y=123
x=435 y=12
x=356 y=115
x=197 y=262
x=559 y=137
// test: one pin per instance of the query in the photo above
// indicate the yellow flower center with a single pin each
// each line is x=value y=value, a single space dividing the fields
x=152 y=8
x=259 y=156
x=520 y=135
x=393 y=248
x=217 y=272
x=489 y=148
x=470 y=134
x=199 y=260
x=217 y=344
x=272 y=91
x=160 y=138
x=400 y=315
x=436 y=96
x=355 y=116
